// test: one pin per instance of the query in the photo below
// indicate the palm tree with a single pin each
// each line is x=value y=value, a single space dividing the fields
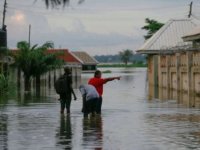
x=44 y=62
x=23 y=61
x=152 y=27
x=34 y=61
x=125 y=55
x=55 y=3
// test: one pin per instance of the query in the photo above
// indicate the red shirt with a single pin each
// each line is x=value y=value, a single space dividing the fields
x=98 y=84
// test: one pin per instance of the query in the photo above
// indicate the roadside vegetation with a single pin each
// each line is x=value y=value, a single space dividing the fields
x=139 y=64
x=34 y=61
x=7 y=88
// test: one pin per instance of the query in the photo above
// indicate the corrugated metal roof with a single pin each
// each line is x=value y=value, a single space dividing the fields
x=192 y=35
x=170 y=35
x=85 y=58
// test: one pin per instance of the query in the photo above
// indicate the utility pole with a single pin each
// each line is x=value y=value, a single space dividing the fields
x=29 y=35
x=3 y=30
x=4 y=16
x=190 y=11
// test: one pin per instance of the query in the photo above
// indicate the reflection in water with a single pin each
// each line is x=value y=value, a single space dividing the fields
x=92 y=133
x=184 y=98
x=65 y=133
x=3 y=132
x=27 y=98
x=128 y=78
x=176 y=128
x=130 y=122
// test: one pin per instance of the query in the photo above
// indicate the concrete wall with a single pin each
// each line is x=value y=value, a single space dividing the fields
x=47 y=80
x=178 y=72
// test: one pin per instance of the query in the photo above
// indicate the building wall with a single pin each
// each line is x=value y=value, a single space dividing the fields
x=151 y=69
x=89 y=67
x=178 y=73
x=47 y=80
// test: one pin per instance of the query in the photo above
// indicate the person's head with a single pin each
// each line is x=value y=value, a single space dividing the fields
x=97 y=74
x=67 y=70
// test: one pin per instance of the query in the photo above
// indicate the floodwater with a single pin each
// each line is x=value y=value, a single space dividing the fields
x=129 y=120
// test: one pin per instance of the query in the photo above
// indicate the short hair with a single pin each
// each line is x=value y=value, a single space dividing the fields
x=67 y=69
x=97 y=72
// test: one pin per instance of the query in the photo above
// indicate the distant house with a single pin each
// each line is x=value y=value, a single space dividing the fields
x=193 y=35
x=81 y=59
x=69 y=59
x=173 y=61
x=67 y=56
x=88 y=62
x=167 y=37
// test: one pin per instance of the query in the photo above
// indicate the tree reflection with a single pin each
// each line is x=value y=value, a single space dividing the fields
x=3 y=132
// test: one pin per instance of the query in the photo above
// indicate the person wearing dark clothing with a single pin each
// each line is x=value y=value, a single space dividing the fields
x=90 y=97
x=98 y=83
x=65 y=98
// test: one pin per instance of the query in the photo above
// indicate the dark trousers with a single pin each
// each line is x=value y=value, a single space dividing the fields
x=65 y=102
x=98 y=105
x=90 y=106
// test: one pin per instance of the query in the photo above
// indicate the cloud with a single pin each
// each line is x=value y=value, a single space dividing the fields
x=98 y=27
x=84 y=40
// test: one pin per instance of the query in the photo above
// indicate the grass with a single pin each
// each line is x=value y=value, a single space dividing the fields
x=122 y=65
x=107 y=71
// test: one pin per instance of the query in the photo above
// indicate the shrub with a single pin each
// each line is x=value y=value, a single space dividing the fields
x=6 y=87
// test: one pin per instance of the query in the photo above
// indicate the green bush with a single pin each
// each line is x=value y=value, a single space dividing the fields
x=122 y=65
x=107 y=71
x=6 y=87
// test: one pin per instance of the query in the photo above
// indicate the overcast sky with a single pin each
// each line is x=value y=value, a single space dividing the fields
x=99 y=27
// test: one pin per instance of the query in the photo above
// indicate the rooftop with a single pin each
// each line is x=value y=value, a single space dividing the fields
x=84 y=57
x=170 y=35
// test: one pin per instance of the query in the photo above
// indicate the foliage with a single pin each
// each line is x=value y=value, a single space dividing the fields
x=3 y=51
x=152 y=27
x=42 y=62
x=116 y=58
x=35 y=61
x=107 y=71
x=56 y=3
x=3 y=84
x=6 y=87
x=125 y=55
x=122 y=65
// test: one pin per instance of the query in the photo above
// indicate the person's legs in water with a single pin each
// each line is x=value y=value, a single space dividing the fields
x=62 y=106
x=62 y=103
x=84 y=108
x=68 y=104
x=87 y=109
x=98 y=105
x=93 y=106
x=83 y=105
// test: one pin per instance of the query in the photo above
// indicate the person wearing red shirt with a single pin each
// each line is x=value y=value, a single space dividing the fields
x=98 y=83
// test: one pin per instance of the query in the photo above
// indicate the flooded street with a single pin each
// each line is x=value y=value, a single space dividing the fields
x=129 y=121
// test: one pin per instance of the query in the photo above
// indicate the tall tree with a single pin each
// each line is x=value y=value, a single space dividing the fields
x=126 y=55
x=44 y=62
x=34 y=61
x=152 y=27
